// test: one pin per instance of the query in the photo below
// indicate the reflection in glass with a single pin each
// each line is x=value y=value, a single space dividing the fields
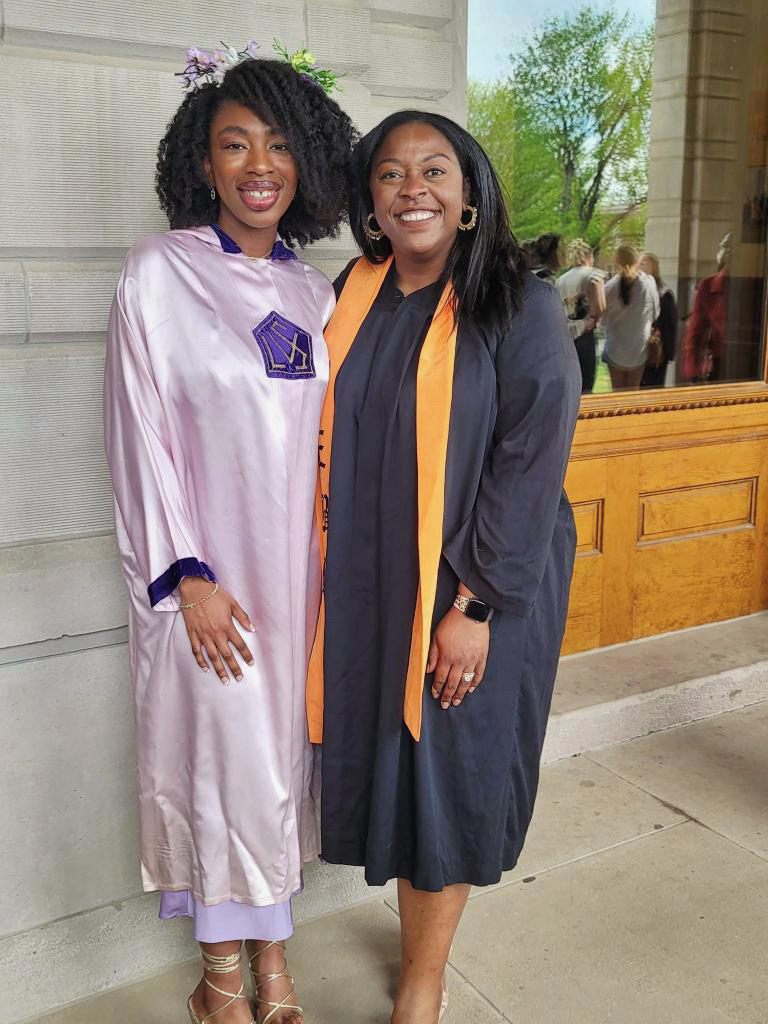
x=635 y=158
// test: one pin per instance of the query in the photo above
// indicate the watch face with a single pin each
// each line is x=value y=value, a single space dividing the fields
x=477 y=611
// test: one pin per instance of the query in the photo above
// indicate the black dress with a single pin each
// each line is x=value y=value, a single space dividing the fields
x=455 y=806
x=655 y=376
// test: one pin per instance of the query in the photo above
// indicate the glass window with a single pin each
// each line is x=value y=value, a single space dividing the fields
x=632 y=141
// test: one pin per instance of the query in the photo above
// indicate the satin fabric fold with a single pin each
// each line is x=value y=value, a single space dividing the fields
x=434 y=392
x=214 y=459
x=227 y=922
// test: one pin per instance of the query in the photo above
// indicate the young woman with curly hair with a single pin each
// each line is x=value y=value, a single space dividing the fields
x=216 y=374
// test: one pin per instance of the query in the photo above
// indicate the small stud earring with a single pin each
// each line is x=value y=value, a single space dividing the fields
x=213 y=194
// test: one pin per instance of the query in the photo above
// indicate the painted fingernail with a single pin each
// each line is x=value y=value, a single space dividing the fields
x=251 y=662
x=204 y=668
x=239 y=679
x=224 y=680
x=456 y=703
x=471 y=689
x=435 y=694
x=251 y=627
x=444 y=705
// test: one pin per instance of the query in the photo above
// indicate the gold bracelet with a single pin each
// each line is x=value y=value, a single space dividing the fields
x=194 y=604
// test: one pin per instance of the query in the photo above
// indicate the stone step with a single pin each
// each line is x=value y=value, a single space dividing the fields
x=619 y=693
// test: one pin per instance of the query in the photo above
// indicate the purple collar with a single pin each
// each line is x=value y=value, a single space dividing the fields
x=280 y=251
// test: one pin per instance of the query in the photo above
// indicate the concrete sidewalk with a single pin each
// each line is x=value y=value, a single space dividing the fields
x=642 y=897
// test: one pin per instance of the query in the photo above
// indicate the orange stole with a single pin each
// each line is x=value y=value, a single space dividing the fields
x=434 y=390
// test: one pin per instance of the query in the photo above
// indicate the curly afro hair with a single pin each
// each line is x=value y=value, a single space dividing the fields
x=320 y=134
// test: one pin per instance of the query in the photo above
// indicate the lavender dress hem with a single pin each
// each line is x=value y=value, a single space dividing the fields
x=227 y=921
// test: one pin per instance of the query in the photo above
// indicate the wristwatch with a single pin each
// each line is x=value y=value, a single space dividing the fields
x=476 y=610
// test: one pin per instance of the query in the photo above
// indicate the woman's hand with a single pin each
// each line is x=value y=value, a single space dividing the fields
x=211 y=630
x=459 y=647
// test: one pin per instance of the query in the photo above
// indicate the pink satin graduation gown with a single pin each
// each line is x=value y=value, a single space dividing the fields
x=215 y=377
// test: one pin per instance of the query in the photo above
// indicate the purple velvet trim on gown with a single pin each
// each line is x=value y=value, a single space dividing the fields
x=164 y=585
x=227 y=921
x=279 y=251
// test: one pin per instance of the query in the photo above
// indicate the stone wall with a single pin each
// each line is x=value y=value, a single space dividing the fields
x=88 y=87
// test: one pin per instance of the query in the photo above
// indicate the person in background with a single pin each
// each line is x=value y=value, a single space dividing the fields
x=544 y=255
x=631 y=307
x=706 y=329
x=583 y=293
x=654 y=375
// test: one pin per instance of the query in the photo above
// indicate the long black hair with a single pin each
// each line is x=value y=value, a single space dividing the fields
x=320 y=135
x=543 y=252
x=485 y=265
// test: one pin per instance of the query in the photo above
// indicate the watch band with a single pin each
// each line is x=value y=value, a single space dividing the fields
x=474 y=609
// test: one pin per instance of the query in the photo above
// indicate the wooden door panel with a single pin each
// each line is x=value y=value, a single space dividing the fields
x=700 y=464
x=585 y=485
x=585 y=623
x=687 y=511
x=584 y=628
x=671 y=512
x=685 y=583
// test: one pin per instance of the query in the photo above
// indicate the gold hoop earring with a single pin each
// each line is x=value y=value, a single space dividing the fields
x=470 y=224
x=375 y=234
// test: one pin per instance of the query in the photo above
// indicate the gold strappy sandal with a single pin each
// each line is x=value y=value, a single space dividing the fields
x=263 y=978
x=219 y=965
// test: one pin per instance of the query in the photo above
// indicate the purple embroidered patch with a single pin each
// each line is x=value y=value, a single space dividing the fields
x=286 y=348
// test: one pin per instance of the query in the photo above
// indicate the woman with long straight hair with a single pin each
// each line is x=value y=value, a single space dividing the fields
x=655 y=374
x=631 y=307
x=449 y=540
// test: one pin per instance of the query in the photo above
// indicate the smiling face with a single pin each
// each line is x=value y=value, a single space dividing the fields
x=252 y=169
x=418 y=191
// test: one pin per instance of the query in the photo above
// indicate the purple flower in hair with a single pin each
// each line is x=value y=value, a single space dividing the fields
x=204 y=68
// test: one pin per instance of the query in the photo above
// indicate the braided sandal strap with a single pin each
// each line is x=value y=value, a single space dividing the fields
x=261 y=978
x=219 y=965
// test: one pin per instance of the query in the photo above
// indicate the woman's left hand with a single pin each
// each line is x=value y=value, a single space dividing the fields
x=459 y=647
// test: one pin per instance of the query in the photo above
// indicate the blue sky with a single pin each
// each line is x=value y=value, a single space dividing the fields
x=496 y=25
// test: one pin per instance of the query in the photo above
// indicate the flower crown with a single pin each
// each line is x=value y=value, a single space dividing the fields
x=204 y=68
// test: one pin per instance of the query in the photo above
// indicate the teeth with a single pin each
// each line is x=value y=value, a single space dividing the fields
x=260 y=195
x=418 y=215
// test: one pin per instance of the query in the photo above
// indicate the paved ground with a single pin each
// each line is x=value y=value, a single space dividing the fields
x=642 y=897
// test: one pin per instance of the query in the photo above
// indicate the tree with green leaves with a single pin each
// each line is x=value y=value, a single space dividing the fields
x=568 y=130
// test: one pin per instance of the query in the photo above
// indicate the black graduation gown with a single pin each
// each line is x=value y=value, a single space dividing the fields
x=454 y=807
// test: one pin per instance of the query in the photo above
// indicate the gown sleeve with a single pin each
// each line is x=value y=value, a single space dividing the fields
x=501 y=551
x=157 y=542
